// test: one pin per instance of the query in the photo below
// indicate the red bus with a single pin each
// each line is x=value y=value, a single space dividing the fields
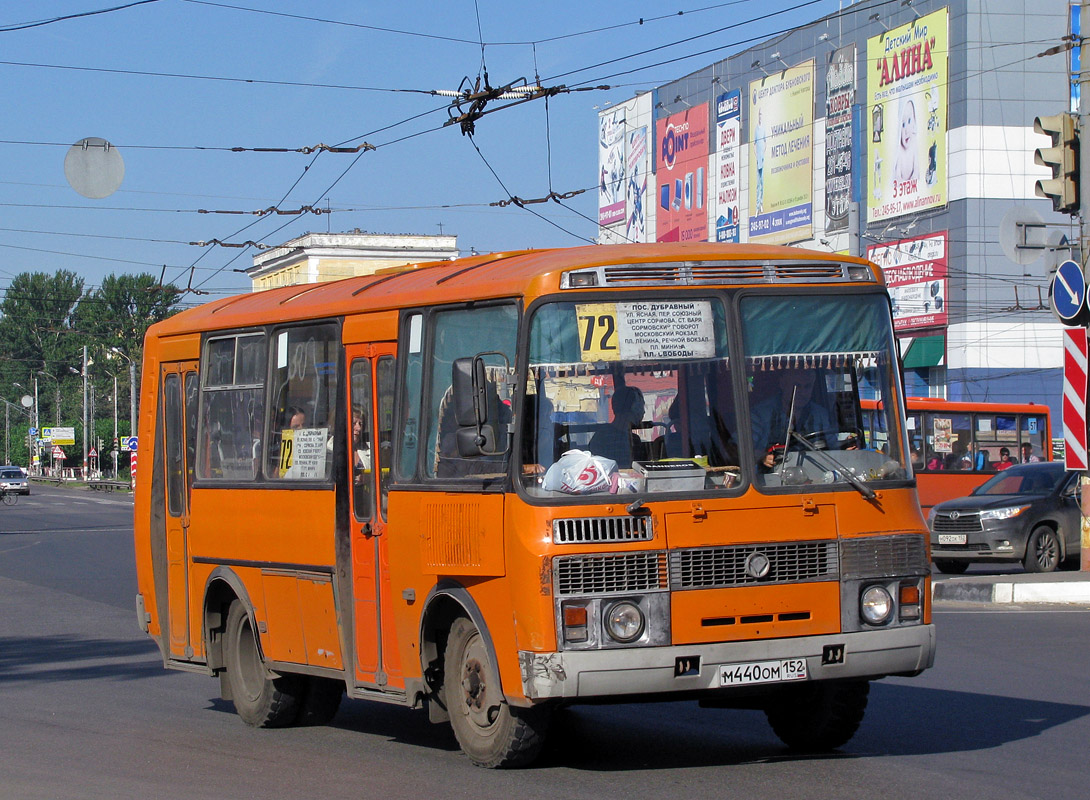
x=956 y=446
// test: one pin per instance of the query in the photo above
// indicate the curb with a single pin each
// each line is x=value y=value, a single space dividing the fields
x=1010 y=592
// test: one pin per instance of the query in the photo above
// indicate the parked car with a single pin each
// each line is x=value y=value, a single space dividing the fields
x=12 y=479
x=1028 y=513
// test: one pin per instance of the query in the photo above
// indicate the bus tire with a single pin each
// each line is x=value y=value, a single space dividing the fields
x=491 y=732
x=260 y=701
x=320 y=701
x=818 y=717
x=951 y=567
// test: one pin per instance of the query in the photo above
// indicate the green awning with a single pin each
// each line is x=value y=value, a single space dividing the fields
x=925 y=351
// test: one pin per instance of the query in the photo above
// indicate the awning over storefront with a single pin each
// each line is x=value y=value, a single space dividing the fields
x=925 y=351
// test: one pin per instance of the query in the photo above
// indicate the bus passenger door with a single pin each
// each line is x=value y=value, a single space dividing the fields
x=370 y=420
x=179 y=396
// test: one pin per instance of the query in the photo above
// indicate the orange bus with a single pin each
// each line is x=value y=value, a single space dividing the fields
x=501 y=484
x=956 y=446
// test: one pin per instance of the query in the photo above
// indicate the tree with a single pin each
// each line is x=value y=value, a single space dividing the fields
x=119 y=312
x=37 y=332
x=115 y=317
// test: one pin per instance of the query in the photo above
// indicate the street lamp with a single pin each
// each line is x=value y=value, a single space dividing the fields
x=114 y=376
x=117 y=351
x=30 y=437
x=86 y=471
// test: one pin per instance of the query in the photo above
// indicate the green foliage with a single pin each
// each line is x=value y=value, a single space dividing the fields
x=45 y=322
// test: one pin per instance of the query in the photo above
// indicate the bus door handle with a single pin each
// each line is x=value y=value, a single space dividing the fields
x=366 y=530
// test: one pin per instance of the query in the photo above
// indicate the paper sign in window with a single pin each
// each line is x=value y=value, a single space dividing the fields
x=303 y=453
x=646 y=331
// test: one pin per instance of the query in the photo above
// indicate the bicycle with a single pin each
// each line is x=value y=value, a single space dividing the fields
x=8 y=497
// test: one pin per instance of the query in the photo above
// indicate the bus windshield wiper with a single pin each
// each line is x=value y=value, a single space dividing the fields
x=846 y=473
x=790 y=430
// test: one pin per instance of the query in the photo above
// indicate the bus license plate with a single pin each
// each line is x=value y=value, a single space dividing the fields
x=791 y=669
x=951 y=538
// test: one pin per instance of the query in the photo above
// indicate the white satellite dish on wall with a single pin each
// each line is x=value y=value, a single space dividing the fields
x=94 y=168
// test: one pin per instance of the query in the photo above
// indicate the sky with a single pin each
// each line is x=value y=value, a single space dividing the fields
x=175 y=86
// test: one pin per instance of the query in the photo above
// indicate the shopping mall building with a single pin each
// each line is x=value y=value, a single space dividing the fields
x=901 y=131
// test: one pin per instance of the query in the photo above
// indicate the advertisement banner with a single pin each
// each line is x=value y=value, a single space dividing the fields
x=781 y=141
x=611 y=178
x=839 y=99
x=907 y=88
x=681 y=166
x=636 y=229
x=728 y=140
x=916 y=276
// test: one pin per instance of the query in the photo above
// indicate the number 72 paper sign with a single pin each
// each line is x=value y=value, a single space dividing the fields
x=646 y=331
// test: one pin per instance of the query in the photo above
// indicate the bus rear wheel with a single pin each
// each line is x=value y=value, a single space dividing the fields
x=260 y=701
x=818 y=717
x=490 y=732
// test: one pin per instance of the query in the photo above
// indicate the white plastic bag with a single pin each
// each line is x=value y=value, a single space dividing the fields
x=580 y=472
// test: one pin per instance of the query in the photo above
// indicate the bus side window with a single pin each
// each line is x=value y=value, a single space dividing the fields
x=465 y=333
x=233 y=369
x=304 y=392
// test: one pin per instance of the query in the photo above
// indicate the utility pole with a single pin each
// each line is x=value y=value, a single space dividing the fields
x=1078 y=16
x=86 y=472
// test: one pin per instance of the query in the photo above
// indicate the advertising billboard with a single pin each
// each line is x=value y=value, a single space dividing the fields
x=781 y=141
x=611 y=167
x=636 y=194
x=728 y=141
x=916 y=276
x=839 y=99
x=681 y=167
x=906 y=88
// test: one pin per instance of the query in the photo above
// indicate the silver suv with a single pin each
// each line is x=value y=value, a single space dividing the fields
x=12 y=479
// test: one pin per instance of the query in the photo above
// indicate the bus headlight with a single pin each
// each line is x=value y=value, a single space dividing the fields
x=624 y=621
x=876 y=605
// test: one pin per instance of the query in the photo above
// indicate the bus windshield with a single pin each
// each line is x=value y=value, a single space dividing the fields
x=810 y=359
x=632 y=397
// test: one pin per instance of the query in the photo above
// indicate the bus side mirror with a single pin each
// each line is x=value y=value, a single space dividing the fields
x=464 y=392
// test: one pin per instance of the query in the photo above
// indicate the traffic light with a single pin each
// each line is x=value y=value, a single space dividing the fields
x=1063 y=157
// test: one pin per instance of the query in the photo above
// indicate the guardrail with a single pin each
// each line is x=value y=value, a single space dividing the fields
x=98 y=485
x=108 y=486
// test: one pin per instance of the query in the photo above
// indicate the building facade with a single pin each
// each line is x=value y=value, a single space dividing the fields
x=902 y=132
x=319 y=257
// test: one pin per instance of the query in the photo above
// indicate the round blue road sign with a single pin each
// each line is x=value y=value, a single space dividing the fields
x=1069 y=293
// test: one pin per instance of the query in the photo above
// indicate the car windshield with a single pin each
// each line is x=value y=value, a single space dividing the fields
x=10 y=474
x=1028 y=479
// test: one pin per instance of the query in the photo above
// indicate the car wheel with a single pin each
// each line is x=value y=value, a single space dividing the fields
x=952 y=567
x=1042 y=550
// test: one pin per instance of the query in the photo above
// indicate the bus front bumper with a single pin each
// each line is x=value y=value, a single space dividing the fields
x=689 y=668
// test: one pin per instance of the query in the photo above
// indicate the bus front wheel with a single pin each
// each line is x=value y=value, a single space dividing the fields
x=261 y=701
x=490 y=732
x=817 y=717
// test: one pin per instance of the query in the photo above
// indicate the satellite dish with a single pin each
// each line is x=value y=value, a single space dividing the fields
x=1014 y=235
x=94 y=168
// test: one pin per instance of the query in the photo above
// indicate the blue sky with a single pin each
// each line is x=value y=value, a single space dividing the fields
x=271 y=74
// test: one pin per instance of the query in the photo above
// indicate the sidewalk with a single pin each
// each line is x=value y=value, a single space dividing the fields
x=995 y=586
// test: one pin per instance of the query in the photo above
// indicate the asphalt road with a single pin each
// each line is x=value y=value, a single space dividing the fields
x=86 y=710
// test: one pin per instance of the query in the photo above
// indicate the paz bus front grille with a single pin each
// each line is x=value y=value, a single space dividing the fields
x=739 y=565
x=580 y=530
x=610 y=573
